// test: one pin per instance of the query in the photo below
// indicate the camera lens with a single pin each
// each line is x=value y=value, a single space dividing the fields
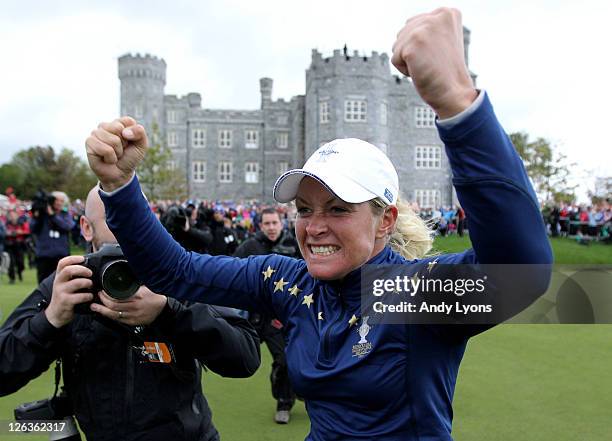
x=118 y=280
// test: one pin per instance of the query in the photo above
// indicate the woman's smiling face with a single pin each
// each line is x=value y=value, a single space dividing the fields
x=335 y=237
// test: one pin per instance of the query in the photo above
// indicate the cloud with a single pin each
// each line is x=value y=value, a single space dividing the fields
x=545 y=64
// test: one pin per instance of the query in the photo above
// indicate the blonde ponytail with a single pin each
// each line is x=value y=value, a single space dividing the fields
x=412 y=237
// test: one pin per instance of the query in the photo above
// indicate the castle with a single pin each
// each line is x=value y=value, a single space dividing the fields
x=239 y=154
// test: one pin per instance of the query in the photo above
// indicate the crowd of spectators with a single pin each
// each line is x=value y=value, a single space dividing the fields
x=585 y=223
x=219 y=227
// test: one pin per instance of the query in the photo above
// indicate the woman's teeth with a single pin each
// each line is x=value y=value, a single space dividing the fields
x=324 y=251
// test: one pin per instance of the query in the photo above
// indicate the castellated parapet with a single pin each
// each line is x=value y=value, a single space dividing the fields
x=339 y=64
x=142 y=66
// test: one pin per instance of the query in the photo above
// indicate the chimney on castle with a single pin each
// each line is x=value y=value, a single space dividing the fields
x=265 y=88
x=466 y=45
x=466 y=52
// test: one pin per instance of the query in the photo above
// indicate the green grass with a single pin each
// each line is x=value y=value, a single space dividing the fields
x=565 y=250
x=517 y=382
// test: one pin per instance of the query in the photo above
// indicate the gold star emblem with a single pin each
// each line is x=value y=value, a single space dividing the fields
x=320 y=315
x=308 y=300
x=353 y=320
x=268 y=273
x=430 y=265
x=280 y=285
x=294 y=290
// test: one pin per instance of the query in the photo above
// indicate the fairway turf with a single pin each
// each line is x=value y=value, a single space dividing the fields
x=517 y=382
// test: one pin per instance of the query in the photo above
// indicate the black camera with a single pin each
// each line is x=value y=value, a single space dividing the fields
x=174 y=219
x=111 y=272
x=41 y=201
x=57 y=408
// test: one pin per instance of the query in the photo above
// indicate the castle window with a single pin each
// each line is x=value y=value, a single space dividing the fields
x=324 y=112
x=355 y=110
x=171 y=116
x=172 y=139
x=171 y=165
x=225 y=139
x=251 y=172
x=225 y=172
x=283 y=166
x=198 y=138
x=282 y=140
x=427 y=198
x=424 y=117
x=198 y=171
x=428 y=157
x=251 y=139
x=383 y=114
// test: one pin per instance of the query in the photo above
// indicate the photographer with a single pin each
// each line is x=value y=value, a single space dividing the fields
x=51 y=225
x=273 y=239
x=180 y=224
x=224 y=241
x=118 y=387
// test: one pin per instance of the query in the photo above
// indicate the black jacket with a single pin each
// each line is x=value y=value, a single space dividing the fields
x=116 y=394
x=194 y=239
x=260 y=244
x=223 y=239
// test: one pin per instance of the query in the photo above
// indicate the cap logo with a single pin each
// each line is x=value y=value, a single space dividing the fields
x=325 y=153
x=388 y=195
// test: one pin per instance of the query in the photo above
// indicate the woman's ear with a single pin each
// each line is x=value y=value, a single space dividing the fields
x=387 y=222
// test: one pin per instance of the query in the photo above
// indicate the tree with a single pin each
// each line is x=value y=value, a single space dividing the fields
x=40 y=168
x=603 y=191
x=548 y=170
x=157 y=175
x=10 y=176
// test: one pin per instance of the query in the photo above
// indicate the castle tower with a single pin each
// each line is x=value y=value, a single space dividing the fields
x=143 y=79
x=347 y=96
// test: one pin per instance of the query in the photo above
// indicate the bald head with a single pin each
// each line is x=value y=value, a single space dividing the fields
x=94 y=208
x=93 y=224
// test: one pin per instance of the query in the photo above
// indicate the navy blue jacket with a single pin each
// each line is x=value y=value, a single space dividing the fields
x=403 y=388
x=52 y=234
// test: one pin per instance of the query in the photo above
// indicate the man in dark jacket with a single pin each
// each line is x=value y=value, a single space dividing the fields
x=224 y=240
x=132 y=369
x=51 y=225
x=272 y=239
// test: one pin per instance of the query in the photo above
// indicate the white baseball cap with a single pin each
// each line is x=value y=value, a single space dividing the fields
x=353 y=170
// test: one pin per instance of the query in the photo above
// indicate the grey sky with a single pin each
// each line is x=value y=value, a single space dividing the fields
x=546 y=65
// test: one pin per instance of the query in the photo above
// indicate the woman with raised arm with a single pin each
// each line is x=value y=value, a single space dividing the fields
x=400 y=385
